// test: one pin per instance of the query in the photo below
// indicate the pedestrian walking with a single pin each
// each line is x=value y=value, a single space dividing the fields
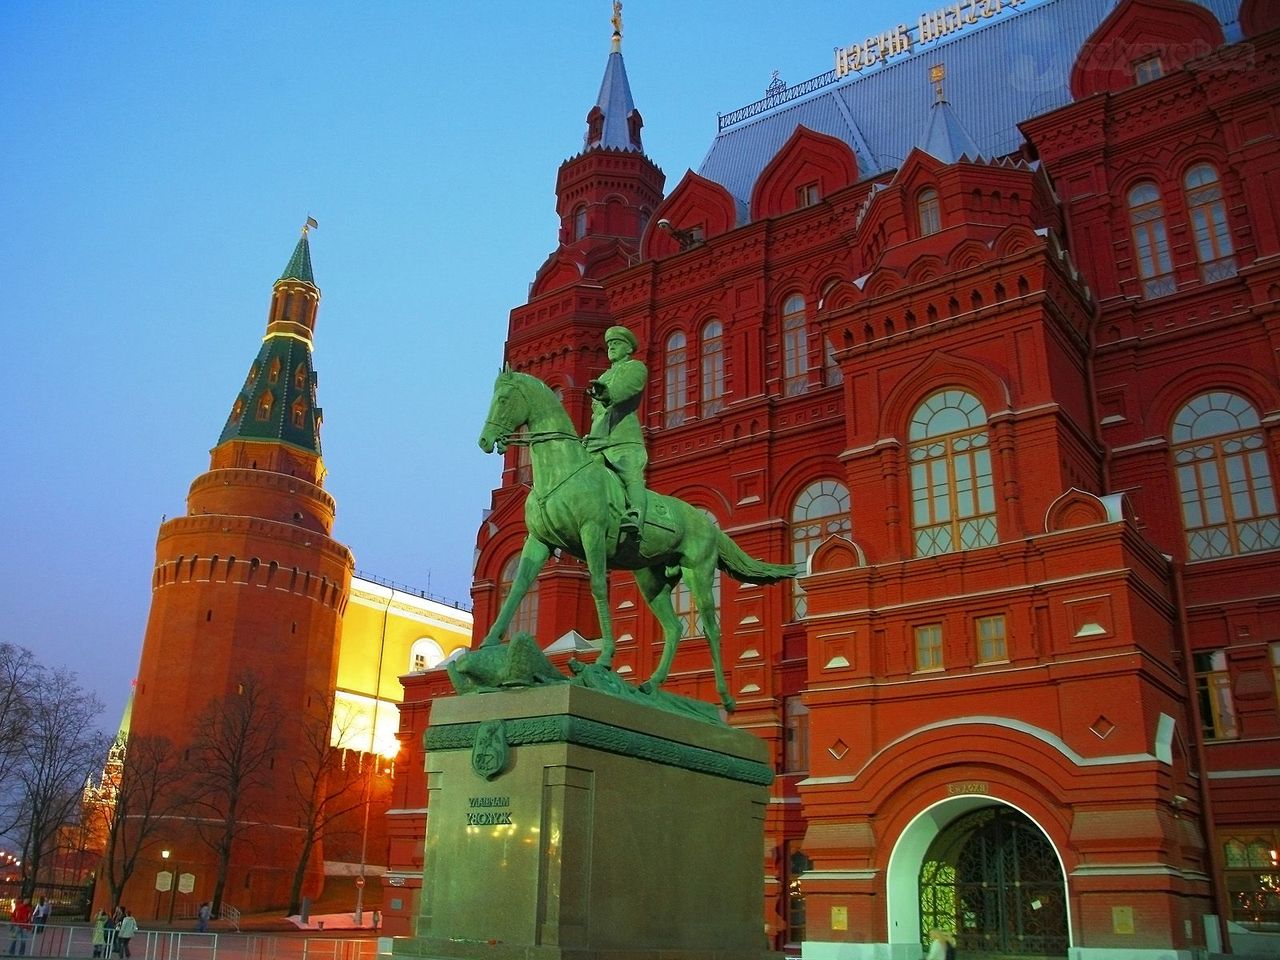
x=40 y=915
x=124 y=933
x=20 y=929
x=100 y=934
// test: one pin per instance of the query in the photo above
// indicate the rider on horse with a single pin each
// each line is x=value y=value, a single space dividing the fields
x=616 y=434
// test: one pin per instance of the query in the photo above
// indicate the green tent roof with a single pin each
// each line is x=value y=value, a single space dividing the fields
x=299 y=265
x=278 y=399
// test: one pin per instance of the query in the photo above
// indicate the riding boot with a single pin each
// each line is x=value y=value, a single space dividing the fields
x=633 y=494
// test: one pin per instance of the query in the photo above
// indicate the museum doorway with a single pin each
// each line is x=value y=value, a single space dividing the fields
x=992 y=876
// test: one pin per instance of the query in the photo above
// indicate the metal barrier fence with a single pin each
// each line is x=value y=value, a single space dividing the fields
x=76 y=941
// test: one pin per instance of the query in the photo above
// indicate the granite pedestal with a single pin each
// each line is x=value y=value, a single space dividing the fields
x=613 y=831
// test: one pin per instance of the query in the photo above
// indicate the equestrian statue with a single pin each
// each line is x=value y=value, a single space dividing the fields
x=589 y=499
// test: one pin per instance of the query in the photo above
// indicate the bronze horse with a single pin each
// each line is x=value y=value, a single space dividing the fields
x=576 y=505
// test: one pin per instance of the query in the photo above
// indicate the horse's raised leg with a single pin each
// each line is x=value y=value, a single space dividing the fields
x=595 y=555
x=699 y=579
x=532 y=559
x=655 y=586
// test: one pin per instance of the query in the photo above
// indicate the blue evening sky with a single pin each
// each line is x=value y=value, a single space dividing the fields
x=156 y=162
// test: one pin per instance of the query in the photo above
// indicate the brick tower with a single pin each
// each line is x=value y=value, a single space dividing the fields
x=249 y=587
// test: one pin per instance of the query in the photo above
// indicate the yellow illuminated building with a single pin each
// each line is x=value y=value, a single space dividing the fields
x=387 y=632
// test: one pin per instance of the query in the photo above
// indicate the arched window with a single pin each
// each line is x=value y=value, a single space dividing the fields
x=795 y=347
x=676 y=379
x=264 y=405
x=712 y=357
x=1208 y=215
x=1224 y=478
x=526 y=618
x=928 y=212
x=424 y=654
x=952 y=493
x=821 y=511
x=1150 y=241
x=580 y=222
x=682 y=600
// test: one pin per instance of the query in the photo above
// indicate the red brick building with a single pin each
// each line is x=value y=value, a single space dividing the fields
x=981 y=328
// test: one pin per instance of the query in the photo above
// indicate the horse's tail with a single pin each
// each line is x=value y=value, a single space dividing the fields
x=741 y=566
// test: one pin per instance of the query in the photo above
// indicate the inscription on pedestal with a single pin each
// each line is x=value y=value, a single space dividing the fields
x=482 y=817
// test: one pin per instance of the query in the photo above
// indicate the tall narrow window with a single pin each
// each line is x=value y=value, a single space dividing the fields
x=580 y=222
x=821 y=510
x=1213 y=688
x=264 y=405
x=928 y=212
x=1208 y=215
x=1275 y=668
x=1151 y=241
x=795 y=726
x=952 y=492
x=989 y=632
x=676 y=379
x=712 y=357
x=1224 y=478
x=795 y=863
x=929 y=647
x=795 y=347
x=526 y=618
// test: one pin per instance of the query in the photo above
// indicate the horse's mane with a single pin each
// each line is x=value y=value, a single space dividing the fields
x=546 y=397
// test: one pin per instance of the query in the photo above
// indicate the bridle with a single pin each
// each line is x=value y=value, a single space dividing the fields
x=507 y=437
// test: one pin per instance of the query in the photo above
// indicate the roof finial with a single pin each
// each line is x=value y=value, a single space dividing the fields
x=310 y=225
x=936 y=74
x=616 y=20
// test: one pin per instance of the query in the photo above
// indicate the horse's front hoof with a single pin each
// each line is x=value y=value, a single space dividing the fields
x=646 y=688
x=730 y=704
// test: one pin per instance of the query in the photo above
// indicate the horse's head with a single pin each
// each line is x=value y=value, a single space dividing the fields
x=508 y=412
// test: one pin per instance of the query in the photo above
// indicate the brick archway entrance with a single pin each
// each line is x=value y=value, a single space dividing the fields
x=992 y=876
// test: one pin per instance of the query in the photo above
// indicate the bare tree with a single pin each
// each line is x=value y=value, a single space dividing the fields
x=233 y=748
x=323 y=791
x=59 y=750
x=19 y=673
x=140 y=789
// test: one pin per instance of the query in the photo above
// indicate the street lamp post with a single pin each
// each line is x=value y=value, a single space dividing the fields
x=364 y=850
x=173 y=884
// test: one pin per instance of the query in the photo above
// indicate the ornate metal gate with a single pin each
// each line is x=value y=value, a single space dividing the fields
x=992 y=878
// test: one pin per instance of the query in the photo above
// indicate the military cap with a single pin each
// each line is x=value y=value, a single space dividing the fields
x=623 y=334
